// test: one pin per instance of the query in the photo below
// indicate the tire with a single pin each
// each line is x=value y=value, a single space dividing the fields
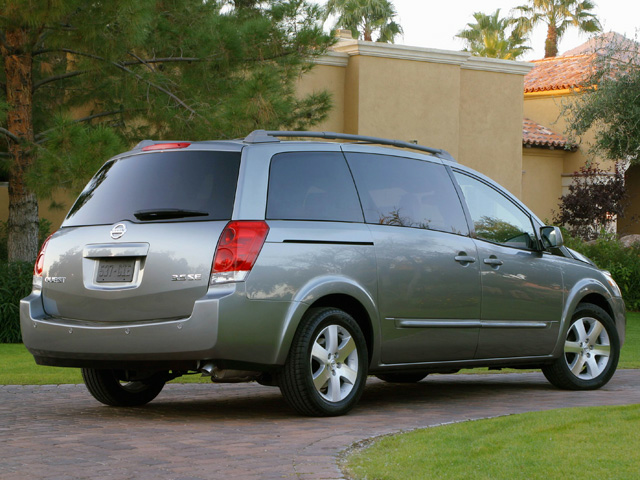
x=591 y=351
x=105 y=387
x=318 y=379
x=402 y=377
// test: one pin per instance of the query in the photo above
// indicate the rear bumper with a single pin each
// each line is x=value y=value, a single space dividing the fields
x=249 y=335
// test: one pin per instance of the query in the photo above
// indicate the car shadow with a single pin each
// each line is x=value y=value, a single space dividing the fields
x=250 y=402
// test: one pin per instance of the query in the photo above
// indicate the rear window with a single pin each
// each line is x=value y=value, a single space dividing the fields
x=166 y=186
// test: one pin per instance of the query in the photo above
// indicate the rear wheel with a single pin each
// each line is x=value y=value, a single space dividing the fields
x=591 y=351
x=402 y=377
x=326 y=370
x=106 y=387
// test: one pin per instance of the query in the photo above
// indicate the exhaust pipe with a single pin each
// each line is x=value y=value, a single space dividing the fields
x=219 y=375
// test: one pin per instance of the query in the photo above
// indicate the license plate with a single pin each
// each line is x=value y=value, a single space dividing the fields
x=115 y=270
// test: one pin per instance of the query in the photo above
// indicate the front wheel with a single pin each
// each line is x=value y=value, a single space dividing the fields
x=326 y=369
x=591 y=351
x=106 y=387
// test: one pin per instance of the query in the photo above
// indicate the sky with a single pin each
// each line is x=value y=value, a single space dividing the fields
x=434 y=24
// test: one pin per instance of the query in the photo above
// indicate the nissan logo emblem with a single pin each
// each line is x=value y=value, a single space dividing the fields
x=118 y=230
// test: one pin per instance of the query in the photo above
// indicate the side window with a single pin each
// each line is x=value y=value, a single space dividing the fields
x=312 y=186
x=406 y=192
x=495 y=217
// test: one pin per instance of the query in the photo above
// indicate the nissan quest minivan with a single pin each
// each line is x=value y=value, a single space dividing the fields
x=309 y=265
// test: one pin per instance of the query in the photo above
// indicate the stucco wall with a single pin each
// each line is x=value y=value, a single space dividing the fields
x=541 y=180
x=408 y=100
x=328 y=75
x=491 y=126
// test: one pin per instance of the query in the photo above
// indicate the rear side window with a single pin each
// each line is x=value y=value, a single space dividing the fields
x=312 y=186
x=405 y=192
x=163 y=186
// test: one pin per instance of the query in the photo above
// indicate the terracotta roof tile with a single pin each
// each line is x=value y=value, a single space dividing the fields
x=558 y=73
x=536 y=135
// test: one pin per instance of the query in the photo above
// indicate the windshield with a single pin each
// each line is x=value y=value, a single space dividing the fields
x=161 y=186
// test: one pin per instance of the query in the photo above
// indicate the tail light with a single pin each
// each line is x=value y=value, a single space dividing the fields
x=238 y=248
x=39 y=266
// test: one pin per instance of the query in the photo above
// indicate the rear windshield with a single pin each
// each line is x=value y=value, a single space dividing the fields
x=161 y=186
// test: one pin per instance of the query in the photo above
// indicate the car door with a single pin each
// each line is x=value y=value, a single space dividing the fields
x=428 y=274
x=522 y=287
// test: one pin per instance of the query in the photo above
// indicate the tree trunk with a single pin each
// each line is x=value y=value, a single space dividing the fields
x=551 y=43
x=23 y=205
x=367 y=32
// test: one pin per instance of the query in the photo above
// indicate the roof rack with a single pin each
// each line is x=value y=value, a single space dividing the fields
x=269 y=136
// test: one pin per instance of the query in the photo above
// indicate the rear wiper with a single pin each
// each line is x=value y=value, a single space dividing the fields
x=167 y=213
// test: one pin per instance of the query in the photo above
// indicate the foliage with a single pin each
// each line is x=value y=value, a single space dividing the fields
x=595 y=200
x=623 y=262
x=488 y=37
x=609 y=102
x=558 y=15
x=15 y=283
x=496 y=230
x=81 y=80
x=366 y=17
x=537 y=445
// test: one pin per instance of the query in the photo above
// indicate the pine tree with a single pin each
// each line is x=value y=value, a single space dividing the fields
x=82 y=80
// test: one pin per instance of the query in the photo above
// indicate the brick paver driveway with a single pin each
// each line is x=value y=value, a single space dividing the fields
x=246 y=431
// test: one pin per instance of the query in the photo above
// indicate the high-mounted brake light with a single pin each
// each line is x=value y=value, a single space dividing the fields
x=38 y=268
x=166 y=146
x=238 y=248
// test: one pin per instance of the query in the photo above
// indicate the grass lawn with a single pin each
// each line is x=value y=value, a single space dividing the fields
x=19 y=368
x=594 y=442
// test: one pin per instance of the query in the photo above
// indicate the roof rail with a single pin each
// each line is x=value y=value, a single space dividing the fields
x=269 y=136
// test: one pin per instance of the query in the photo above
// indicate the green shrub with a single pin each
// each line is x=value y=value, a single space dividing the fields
x=623 y=262
x=15 y=283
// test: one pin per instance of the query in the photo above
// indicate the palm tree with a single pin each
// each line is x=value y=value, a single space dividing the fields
x=366 y=17
x=488 y=37
x=558 y=15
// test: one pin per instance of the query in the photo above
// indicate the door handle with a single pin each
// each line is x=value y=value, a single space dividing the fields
x=494 y=262
x=464 y=259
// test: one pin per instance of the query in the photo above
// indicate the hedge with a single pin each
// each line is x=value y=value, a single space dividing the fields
x=623 y=262
x=15 y=283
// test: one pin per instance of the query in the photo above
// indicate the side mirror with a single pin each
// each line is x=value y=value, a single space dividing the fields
x=551 y=237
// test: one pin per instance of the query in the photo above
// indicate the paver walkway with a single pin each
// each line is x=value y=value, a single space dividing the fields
x=246 y=431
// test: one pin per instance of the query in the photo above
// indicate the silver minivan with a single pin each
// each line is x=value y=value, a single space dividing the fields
x=309 y=265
